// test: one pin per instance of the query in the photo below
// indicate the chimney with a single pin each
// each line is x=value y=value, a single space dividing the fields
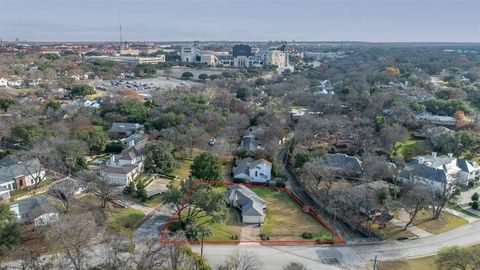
x=112 y=159
x=131 y=143
x=434 y=154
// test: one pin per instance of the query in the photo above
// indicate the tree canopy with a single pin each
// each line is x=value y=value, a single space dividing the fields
x=206 y=166
x=82 y=90
x=9 y=229
x=159 y=157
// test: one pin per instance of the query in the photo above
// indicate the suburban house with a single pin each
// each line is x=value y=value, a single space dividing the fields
x=248 y=202
x=126 y=166
x=438 y=171
x=21 y=175
x=37 y=210
x=119 y=130
x=343 y=164
x=437 y=119
x=250 y=141
x=252 y=170
x=4 y=194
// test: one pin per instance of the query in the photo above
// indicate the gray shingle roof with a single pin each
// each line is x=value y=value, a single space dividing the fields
x=244 y=165
x=343 y=162
x=34 y=206
x=8 y=173
x=125 y=127
x=250 y=203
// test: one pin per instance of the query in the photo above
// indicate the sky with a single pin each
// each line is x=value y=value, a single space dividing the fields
x=246 y=20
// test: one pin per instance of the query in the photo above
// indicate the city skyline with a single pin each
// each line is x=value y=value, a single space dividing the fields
x=184 y=20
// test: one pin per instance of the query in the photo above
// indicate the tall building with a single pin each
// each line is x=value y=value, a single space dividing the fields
x=189 y=54
x=276 y=57
x=242 y=55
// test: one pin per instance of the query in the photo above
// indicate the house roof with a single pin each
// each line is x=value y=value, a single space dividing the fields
x=8 y=173
x=249 y=142
x=134 y=151
x=34 y=206
x=249 y=202
x=119 y=170
x=8 y=161
x=125 y=127
x=340 y=161
x=244 y=165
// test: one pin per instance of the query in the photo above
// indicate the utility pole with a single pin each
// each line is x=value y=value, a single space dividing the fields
x=375 y=266
x=201 y=247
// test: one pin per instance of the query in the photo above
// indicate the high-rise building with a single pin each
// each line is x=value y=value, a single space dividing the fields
x=242 y=55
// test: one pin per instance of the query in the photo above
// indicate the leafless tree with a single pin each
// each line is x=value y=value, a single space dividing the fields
x=414 y=200
x=65 y=191
x=104 y=189
x=245 y=260
x=116 y=255
x=31 y=260
x=318 y=177
x=295 y=266
x=70 y=237
x=390 y=134
x=151 y=255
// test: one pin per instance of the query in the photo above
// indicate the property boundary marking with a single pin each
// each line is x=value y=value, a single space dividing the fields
x=336 y=238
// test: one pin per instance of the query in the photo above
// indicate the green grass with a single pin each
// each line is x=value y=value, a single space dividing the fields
x=412 y=147
x=226 y=229
x=391 y=231
x=285 y=218
x=425 y=263
x=122 y=219
x=152 y=202
x=445 y=223
x=458 y=208
x=183 y=169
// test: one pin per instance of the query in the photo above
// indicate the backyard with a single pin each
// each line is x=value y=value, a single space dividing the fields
x=412 y=147
x=285 y=219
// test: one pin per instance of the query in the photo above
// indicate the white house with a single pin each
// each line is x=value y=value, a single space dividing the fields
x=252 y=170
x=248 y=202
x=37 y=210
x=3 y=82
x=123 y=168
x=21 y=175
x=438 y=171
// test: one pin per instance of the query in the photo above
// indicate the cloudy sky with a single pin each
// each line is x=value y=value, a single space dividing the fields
x=178 y=20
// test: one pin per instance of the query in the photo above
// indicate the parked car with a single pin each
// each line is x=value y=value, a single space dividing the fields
x=212 y=142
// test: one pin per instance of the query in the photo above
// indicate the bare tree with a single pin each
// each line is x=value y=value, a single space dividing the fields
x=414 y=200
x=71 y=238
x=65 y=191
x=116 y=254
x=31 y=260
x=104 y=189
x=245 y=260
x=295 y=266
x=151 y=255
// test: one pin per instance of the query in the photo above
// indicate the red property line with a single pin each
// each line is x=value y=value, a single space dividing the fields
x=337 y=240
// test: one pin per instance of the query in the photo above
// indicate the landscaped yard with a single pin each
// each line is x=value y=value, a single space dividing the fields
x=458 y=208
x=285 y=218
x=425 y=263
x=122 y=219
x=226 y=229
x=391 y=231
x=445 y=223
x=412 y=147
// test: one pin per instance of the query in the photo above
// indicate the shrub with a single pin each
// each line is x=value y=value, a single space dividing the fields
x=238 y=180
x=475 y=197
x=307 y=235
x=475 y=205
x=471 y=184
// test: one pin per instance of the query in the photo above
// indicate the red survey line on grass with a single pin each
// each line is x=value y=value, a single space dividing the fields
x=338 y=239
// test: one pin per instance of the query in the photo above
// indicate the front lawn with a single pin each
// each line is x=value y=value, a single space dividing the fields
x=226 y=229
x=425 y=263
x=445 y=223
x=286 y=220
x=391 y=231
x=121 y=219
x=458 y=208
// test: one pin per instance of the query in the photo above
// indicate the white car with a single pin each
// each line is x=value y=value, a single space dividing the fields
x=212 y=142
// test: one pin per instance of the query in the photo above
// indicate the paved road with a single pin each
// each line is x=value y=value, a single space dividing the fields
x=356 y=256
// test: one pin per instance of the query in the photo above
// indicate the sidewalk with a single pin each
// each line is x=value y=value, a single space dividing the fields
x=470 y=219
x=412 y=228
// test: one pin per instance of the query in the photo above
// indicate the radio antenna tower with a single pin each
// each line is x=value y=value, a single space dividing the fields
x=120 y=29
